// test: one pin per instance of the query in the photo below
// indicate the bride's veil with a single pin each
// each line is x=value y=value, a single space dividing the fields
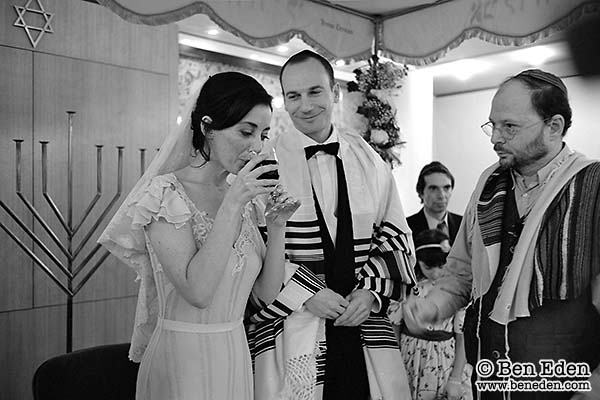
x=126 y=242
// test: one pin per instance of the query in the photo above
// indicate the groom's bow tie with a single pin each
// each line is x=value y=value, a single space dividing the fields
x=330 y=148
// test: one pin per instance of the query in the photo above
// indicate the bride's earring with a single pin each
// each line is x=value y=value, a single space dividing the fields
x=206 y=121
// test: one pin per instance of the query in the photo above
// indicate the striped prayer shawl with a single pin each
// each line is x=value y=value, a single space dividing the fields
x=379 y=260
x=384 y=258
x=383 y=249
x=491 y=205
x=301 y=280
x=568 y=248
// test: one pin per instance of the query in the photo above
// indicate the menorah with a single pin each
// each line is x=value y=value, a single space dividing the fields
x=70 y=269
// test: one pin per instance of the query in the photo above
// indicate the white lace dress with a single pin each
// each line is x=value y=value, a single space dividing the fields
x=198 y=353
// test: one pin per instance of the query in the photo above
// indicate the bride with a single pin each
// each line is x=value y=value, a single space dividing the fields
x=192 y=236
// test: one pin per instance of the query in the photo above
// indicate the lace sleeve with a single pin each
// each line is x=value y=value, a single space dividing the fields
x=124 y=236
x=159 y=200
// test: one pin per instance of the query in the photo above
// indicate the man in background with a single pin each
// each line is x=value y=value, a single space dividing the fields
x=434 y=187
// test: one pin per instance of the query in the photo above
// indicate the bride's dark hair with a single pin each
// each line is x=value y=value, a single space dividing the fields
x=225 y=98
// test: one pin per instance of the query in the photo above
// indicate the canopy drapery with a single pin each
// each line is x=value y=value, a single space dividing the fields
x=418 y=35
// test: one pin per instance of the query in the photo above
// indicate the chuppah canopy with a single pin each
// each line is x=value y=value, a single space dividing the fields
x=416 y=32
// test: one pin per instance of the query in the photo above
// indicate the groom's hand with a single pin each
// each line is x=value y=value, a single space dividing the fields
x=326 y=304
x=357 y=312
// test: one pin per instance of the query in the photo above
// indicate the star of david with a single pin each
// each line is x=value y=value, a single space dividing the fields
x=31 y=29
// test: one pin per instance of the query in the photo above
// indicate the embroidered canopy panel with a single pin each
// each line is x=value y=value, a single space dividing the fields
x=416 y=32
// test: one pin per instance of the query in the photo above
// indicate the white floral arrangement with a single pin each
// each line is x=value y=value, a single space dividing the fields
x=373 y=81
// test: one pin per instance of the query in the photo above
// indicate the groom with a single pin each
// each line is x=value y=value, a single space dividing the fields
x=352 y=243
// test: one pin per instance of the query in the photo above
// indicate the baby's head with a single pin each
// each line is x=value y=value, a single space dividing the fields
x=432 y=247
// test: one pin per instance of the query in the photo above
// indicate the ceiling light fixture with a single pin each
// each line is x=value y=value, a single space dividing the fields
x=535 y=56
x=461 y=69
x=204 y=43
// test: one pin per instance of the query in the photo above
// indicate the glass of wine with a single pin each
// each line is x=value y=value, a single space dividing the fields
x=271 y=159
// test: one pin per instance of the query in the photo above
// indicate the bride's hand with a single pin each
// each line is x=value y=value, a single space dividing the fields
x=246 y=186
x=280 y=207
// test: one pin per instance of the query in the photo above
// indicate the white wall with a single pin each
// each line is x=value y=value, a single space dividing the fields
x=415 y=118
x=584 y=134
x=460 y=144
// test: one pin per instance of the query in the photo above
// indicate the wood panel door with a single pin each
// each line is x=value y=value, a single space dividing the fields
x=114 y=107
x=16 y=72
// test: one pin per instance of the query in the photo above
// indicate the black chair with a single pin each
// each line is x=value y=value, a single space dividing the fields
x=97 y=373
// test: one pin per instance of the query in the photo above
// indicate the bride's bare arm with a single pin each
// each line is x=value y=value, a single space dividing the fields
x=280 y=207
x=196 y=273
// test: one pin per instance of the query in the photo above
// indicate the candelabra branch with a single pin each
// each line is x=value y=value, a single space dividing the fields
x=37 y=240
x=91 y=271
x=54 y=208
x=70 y=174
x=18 y=143
x=110 y=205
x=30 y=206
x=92 y=204
x=68 y=269
x=87 y=259
x=37 y=260
x=87 y=212
x=47 y=196
x=44 y=225
x=142 y=161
